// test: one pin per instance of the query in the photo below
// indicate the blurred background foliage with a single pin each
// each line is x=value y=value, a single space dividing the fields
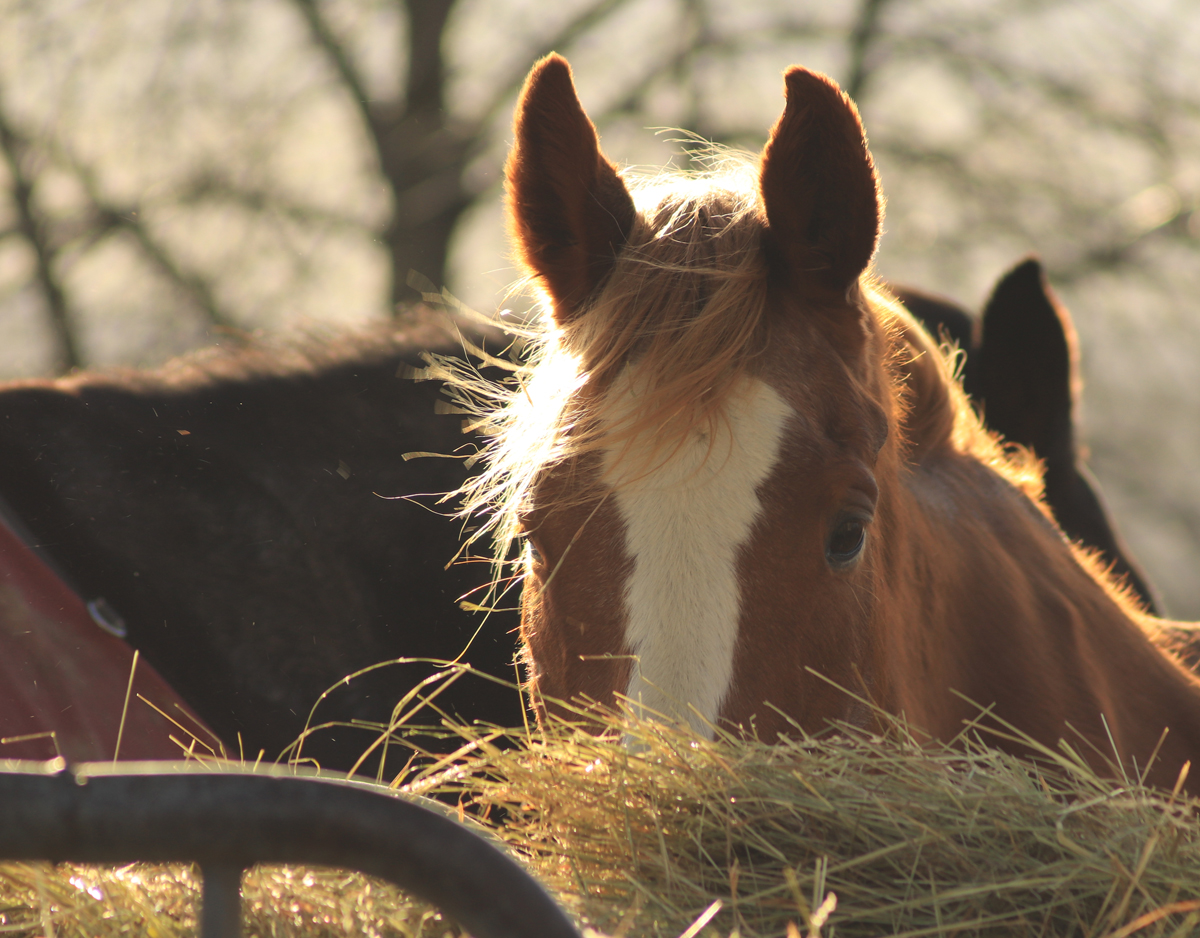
x=173 y=172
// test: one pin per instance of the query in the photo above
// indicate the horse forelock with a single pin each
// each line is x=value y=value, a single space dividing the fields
x=684 y=305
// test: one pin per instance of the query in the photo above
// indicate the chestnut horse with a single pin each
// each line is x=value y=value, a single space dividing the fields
x=749 y=483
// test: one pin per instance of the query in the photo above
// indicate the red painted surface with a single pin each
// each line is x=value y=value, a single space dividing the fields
x=63 y=679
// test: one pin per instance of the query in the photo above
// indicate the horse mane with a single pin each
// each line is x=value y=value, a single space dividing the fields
x=936 y=410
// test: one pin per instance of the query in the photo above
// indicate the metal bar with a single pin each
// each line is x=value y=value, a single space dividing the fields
x=221 y=901
x=179 y=812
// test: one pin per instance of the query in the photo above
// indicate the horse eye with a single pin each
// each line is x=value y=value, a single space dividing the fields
x=535 y=555
x=846 y=542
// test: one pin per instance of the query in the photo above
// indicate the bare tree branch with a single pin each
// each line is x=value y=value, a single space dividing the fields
x=33 y=231
x=111 y=217
x=199 y=288
x=212 y=186
x=862 y=40
x=332 y=48
x=565 y=37
x=421 y=153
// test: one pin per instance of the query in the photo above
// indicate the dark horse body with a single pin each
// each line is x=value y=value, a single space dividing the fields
x=240 y=512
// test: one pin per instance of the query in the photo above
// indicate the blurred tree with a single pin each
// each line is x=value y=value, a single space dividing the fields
x=422 y=148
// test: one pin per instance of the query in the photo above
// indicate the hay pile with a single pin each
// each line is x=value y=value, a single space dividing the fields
x=910 y=840
x=849 y=835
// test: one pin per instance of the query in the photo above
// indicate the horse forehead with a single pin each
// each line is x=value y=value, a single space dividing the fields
x=834 y=406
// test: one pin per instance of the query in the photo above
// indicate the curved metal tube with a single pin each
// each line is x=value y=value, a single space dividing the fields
x=174 y=812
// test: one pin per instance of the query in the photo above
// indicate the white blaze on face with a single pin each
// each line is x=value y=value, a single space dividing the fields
x=685 y=520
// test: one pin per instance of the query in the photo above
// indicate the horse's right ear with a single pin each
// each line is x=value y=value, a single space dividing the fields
x=568 y=210
x=818 y=185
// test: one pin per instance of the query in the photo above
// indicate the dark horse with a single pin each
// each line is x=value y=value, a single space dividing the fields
x=242 y=513
x=746 y=480
x=1020 y=367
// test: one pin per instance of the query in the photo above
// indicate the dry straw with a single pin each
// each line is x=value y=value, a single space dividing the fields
x=906 y=839
x=162 y=901
x=647 y=830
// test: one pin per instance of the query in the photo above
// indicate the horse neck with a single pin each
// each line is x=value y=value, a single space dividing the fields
x=1000 y=610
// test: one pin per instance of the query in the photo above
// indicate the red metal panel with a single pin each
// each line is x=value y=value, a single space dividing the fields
x=63 y=679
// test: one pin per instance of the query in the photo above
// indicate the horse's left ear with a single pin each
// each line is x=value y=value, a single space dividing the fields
x=569 y=212
x=818 y=185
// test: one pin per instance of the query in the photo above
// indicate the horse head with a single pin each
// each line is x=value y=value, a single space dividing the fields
x=751 y=492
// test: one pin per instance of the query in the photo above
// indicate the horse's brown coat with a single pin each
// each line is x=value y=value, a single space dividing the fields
x=965 y=593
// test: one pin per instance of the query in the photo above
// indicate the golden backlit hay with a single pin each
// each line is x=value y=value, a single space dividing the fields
x=910 y=839
x=871 y=835
x=163 y=901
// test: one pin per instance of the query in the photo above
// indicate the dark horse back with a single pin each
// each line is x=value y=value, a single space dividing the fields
x=247 y=521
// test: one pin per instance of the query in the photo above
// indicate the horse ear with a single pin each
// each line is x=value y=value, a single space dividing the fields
x=1028 y=369
x=568 y=210
x=818 y=184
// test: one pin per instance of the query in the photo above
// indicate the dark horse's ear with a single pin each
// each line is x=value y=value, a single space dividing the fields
x=1028 y=371
x=818 y=185
x=1027 y=376
x=568 y=210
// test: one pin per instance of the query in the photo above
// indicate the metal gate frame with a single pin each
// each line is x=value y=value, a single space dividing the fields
x=229 y=820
